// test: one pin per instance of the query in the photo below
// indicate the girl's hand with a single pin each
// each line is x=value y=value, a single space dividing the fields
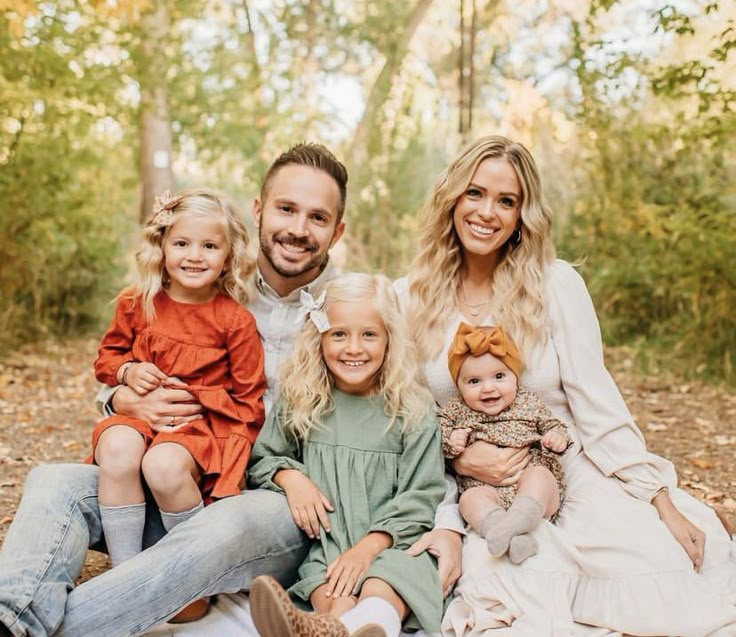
x=144 y=377
x=308 y=504
x=685 y=532
x=554 y=441
x=459 y=439
x=497 y=466
x=346 y=571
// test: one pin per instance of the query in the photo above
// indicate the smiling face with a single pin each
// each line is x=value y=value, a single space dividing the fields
x=486 y=384
x=297 y=225
x=489 y=210
x=195 y=254
x=354 y=347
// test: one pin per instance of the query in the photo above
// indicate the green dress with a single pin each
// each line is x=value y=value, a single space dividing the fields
x=376 y=480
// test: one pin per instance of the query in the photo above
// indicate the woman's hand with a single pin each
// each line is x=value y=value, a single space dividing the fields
x=447 y=547
x=346 y=571
x=497 y=466
x=686 y=533
x=308 y=504
x=163 y=408
x=143 y=377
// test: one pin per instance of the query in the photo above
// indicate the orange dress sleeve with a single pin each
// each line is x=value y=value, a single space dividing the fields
x=116 y=346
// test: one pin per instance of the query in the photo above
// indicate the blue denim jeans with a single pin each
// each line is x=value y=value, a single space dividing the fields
x=220 y=550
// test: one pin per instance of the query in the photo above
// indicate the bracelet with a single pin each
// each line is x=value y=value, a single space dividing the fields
x=123 y=378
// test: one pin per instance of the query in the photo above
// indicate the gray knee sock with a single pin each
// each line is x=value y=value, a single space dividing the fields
x=123 y=529
x=523 y=515
x=170 y=520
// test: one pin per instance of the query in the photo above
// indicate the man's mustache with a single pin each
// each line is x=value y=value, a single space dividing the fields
x=298 y=242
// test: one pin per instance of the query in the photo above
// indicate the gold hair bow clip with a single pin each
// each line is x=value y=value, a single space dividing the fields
x=162 y=208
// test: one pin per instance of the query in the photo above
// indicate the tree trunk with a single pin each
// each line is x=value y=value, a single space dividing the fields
x=381 y=90
x=155 y=122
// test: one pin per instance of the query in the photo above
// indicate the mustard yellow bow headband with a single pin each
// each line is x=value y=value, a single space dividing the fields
x=471 y=340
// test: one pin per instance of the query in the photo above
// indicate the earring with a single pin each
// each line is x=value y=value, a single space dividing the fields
x=515 y=239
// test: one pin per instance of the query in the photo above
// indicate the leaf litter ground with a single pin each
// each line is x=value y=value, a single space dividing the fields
x=47 y=413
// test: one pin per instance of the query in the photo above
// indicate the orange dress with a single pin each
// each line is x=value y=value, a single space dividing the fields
x=214 y=350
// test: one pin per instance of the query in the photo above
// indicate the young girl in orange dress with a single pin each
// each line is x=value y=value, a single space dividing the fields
x=182 y=325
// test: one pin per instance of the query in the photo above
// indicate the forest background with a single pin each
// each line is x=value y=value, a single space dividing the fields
x=626 y=104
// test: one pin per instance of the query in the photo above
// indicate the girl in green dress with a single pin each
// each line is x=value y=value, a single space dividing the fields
x=354 y=446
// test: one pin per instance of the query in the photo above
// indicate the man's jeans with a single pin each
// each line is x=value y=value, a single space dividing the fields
x=220 y=550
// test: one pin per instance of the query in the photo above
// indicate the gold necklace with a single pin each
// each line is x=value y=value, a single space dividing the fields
x=473 y=308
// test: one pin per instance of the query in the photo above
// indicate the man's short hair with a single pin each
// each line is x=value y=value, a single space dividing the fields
x=315 y=156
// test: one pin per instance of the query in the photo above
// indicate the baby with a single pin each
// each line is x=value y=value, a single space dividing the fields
x=485 y=365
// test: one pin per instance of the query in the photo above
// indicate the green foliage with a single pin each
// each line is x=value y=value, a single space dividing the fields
x=655 y=216
x=383 y=220
x=62 y=185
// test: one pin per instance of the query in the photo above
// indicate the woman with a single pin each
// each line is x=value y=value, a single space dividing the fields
x=630 y=553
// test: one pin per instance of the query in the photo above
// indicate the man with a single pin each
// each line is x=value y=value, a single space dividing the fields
x=299 y=218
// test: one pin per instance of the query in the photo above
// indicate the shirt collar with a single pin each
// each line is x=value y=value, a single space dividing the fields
x=327 y=273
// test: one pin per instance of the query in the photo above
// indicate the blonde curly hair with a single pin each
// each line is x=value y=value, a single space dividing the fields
x=435 y=275
x=306 y=383
x=152 y=275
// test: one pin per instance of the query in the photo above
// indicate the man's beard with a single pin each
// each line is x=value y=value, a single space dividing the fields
x=286 y=268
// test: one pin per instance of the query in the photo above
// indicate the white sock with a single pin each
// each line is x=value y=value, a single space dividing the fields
x=373 y=610
x=170 y=520
x=123 y=529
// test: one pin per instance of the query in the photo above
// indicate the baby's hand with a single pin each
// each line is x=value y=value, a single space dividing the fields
x=459 y=439
x=144 y=377
x=554 y=441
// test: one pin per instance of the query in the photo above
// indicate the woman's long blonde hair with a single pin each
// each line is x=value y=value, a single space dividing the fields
x=152 y=275
x=306 y=383
x=518 y=301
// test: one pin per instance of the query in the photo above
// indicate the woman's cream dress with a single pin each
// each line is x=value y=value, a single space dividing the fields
x=608 y=566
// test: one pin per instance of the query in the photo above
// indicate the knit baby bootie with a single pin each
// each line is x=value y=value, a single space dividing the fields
x=521 y=547
x=275 y=615
x=524 y=514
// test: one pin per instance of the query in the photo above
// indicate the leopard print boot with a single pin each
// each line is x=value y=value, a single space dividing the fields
x=275 y=615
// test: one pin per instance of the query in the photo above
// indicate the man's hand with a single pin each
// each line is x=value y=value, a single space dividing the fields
x=447 y=547
x=163 y=408
x=497 y=466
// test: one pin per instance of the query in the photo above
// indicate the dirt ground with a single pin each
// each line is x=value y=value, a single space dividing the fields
x=47 y=413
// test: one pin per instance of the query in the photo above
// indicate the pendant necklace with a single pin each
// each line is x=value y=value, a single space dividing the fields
x=473 y=308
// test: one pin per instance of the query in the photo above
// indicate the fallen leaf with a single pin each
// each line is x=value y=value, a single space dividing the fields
x=702 y=463
x=729 y=503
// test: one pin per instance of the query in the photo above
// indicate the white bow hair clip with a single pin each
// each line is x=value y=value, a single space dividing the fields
x=314 y=309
